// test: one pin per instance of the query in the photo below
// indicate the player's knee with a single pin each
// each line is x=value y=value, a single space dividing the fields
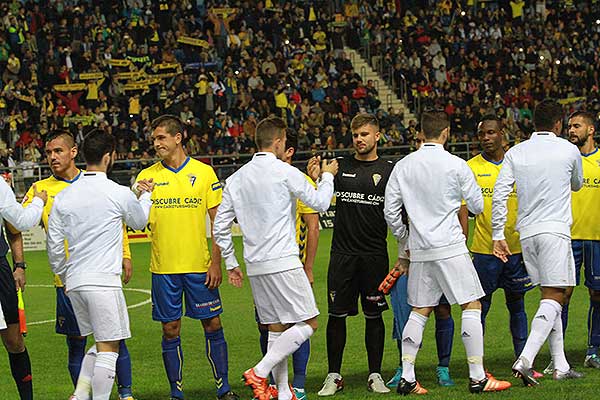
x=443 y=311
x=473 y=305
x=512 y=297
x=212 y=324
x=14 y=343
x=171 y=329
x=312 y=323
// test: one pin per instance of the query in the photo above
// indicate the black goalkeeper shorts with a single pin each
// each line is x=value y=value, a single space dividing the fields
x=351 y=276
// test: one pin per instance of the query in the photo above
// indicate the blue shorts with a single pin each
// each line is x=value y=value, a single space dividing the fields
x=493 y=273
x=400 y=306
x=168 y=291
x=587 y=252
x=66 y=323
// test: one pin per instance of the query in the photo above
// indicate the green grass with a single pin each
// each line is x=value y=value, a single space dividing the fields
x=49 y=354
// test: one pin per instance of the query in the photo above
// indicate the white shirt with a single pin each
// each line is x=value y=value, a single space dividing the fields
x=545 y=168
x=89 y=214
x=20 y=218
x=262 y=196
x=431 y=184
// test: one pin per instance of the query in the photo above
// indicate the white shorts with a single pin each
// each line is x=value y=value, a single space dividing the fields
x=454 y=277
x=549 y=260
x=102 y=313
x=283 y=297
x=2 y=321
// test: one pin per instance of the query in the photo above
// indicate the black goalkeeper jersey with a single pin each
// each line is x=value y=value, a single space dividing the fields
x=359 y=225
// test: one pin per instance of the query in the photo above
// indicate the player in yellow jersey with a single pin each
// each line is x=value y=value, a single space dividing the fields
x=307 y=236
x=493 y=273
x=61 y=151
x=181 y=264
x=585 y=231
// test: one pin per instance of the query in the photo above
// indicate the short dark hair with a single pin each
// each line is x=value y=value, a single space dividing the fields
x=546 y=114
x=433 y=123
x=291 y=139
x=171 y=123
x=62 y=133
x=493 y=117
x=587 y=116
x=268 y=130
x=363 y=119
x=96 y=144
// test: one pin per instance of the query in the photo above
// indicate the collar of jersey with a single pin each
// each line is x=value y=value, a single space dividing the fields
x=543 y=133
x=491 y=161
x=58 y=178
x=589 y=154
x=95 y=173
x=432 y=145
x=176 y=170
x=264 y=153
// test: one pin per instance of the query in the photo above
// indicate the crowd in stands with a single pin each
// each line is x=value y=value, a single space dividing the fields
x=222 y=66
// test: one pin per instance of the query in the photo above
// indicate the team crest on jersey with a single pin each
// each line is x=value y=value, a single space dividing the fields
x=598 y=162
x=376 y=178
x=192 y=179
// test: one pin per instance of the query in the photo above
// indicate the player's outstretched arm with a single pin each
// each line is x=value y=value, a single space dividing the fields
x=463 y=218
x=136 y=211
x=320 y=199
x=312 y=243
x=21 y=218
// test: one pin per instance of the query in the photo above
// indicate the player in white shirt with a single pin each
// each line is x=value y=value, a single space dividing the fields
x=545 y=169
x=430 y=185
x=89 y=214
x=262 y=196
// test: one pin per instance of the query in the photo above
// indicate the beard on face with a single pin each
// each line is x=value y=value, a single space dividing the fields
x=577 y=141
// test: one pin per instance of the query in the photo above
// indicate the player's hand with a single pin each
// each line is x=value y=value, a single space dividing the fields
x=314 y=168
x=144 y=185
x=402 y=265
x=214 y=276
x=42 y=195
x=309 y=274
x=501 y=250
x=127 y=270
x=235 y=277
x=19 y=276
x=330 y=166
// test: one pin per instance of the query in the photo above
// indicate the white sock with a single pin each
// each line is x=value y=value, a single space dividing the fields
x=104 y=375
x=546 y=315
x=83 y=389
x=287 y=343
x=412 y=336
x=280 y=371
x=472 y=337
x=557 y=346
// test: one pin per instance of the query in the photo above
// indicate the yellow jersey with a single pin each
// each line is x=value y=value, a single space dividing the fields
x=53 y=186
x=486 y=172
x=180 y=201
x=301 y=227
x=586 y=201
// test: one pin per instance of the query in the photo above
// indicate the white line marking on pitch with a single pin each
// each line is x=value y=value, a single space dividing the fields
x=136 y=305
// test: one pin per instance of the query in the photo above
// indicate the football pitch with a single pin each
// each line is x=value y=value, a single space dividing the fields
x=49 y=353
